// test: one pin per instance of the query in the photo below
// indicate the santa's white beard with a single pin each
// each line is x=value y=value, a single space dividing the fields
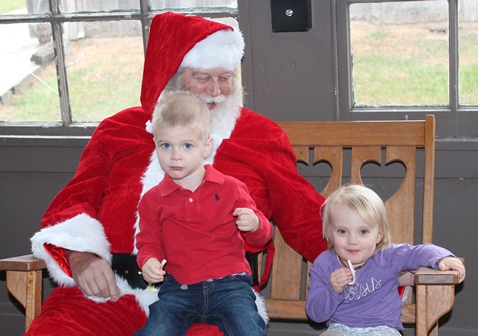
x=225 y=113
x=223 y=117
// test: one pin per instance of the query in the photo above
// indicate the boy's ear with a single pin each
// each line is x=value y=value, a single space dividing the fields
x=208 y=147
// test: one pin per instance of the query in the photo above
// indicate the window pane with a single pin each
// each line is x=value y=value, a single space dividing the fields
x=14 y=7
x=188 y=4
x=104 y=68
x=400 y=53
x=71 y=6
x=468 y=50
x=28 y=91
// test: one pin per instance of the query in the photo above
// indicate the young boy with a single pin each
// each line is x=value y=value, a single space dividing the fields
x=353 y=285
x=197 y=219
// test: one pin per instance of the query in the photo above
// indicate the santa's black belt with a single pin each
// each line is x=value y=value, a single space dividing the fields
x=125 y=266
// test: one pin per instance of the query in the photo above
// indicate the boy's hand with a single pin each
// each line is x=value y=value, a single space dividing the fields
x=340 y=278
x=246 y=219
x=153 y=271
x=452 y=263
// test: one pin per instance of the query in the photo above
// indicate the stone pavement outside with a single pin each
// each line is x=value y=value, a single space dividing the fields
x=16 y=49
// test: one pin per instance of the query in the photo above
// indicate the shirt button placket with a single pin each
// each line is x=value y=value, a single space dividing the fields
x=190 y=210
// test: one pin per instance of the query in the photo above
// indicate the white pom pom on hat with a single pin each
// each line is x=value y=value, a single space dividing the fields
x=222 y=49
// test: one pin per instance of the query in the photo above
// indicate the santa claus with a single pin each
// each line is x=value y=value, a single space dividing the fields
x=87 y=235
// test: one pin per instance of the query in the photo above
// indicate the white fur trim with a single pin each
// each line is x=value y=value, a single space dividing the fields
x=151 y=177
x=80 y=233
x=222 y=49
x=145 y=298
x=261 y=307
x=153 y=174
x=149 y=127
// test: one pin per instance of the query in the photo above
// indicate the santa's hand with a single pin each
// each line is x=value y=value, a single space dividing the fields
x=152 y=271
x=93 y=275
x=247 y=220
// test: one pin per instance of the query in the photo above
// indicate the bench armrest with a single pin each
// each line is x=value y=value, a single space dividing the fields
x=435 y=295
x=23 y=263
x=24 y=282
x=430 y=276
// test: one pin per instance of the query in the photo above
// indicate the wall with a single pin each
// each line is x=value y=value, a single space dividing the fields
x=32 y=171
x=288 y=76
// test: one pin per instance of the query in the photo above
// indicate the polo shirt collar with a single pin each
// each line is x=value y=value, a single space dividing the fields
x=168 y=186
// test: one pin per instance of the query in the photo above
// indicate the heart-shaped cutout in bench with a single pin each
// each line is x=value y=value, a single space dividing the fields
x=384 y=179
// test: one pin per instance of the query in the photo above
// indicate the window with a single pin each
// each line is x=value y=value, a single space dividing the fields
x=69 y=66
x=406 y=59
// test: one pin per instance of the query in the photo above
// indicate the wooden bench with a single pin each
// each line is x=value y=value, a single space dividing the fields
x=352 y=145
x=337 y=144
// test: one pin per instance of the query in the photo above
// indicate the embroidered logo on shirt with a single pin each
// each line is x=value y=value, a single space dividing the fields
x=216 y=196
x=361 y=290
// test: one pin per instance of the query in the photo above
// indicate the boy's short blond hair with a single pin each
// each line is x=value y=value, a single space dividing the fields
x=182 y=108
x=363 y=201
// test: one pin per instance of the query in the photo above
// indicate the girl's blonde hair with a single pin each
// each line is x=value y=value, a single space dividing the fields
x=363 y=201
x=182 y=108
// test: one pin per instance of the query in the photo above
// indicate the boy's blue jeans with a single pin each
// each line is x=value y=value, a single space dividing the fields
x=228 y=302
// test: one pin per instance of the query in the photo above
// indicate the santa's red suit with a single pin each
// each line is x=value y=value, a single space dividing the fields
x=97 y=210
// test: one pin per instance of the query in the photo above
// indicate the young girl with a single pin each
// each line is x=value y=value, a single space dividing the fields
x=353 y=285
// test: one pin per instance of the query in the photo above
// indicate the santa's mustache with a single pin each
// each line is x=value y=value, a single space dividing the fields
x=212 y=100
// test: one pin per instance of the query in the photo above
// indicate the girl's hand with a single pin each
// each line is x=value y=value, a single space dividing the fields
x=340 y=278
x=452 y=263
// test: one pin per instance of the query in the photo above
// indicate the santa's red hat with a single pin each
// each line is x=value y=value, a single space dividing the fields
x=177 y=40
